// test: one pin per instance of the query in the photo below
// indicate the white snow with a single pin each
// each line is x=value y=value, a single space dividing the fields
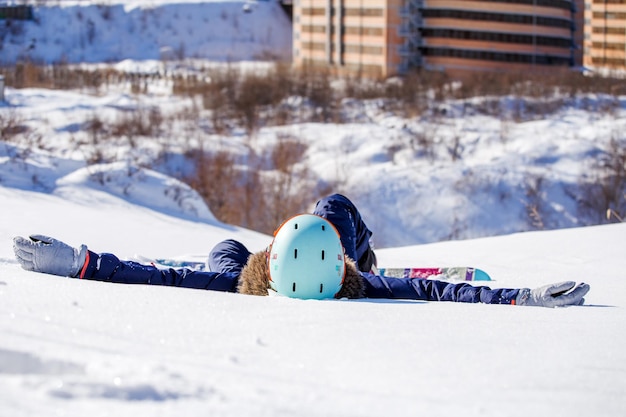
x=75 y=348
x=83 y=348
x=111 y=31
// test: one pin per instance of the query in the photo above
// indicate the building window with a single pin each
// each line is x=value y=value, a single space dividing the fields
x=609 y=16
x=497 y=17
x=313 y=29
x=348 y=11
x=364 y=49
x=609 y=46
x=313 y=11
x=363 y=12
x=609 y=1
x=558 y=4
x=363 y=31
x=609 y=31
x=314 y=46
x=609 y=61
x=365 y=68
x=497 y=56
x=498 y=37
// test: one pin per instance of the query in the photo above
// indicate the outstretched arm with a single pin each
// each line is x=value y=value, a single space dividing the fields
x=432 y=290
x=51 y=256
x=553 y=295
x=107 y=267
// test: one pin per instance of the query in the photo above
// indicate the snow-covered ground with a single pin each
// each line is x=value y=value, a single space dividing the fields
x=111 y=31
x=76 y=348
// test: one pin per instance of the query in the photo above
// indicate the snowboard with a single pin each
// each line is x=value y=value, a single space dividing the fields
x=443 y=274
x=459 y=273
x=166 y=263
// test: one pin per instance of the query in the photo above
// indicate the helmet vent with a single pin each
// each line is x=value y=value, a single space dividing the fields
x=295 y=226
x=295 y=254
x=322 y=255
x=321 y=288
x=323 y=227
x=293 y=287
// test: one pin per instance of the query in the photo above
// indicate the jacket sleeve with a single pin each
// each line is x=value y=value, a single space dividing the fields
x=377 y=286
x=107 y=267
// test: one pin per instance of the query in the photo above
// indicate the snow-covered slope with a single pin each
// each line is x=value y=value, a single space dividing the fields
x=111 y=31
x=76 y=348
x=410 y=193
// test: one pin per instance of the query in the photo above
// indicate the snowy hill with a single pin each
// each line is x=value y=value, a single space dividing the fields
x=112 y=31
x=506 y=176
x=77 y=348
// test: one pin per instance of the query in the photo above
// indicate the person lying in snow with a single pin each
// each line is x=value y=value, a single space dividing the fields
x=313 y=256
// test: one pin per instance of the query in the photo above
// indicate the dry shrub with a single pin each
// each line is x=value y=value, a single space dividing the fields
x=63 y=76
x=261 y=194
x=11 y=124
x=137 y=122
x=215 y=178
x=218 y=91
x=289 y=182
x=603 y=188
x=534 y=205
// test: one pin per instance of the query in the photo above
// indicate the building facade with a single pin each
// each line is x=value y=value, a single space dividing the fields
x=386 y=37
x=605 y=35
x=349 y=35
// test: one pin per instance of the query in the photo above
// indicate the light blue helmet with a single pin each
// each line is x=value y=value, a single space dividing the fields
x=306 y=258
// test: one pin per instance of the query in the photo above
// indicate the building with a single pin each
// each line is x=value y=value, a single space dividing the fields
x=351 y=35
x=605 y=35
x=386 y=37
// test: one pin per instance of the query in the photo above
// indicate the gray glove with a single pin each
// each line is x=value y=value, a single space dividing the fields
x=554 y=295
x=45 y=254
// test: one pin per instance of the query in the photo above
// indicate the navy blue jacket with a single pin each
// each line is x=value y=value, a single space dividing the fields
x=107 y=267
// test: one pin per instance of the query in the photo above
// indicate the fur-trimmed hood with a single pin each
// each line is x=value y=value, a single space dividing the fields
x=254 y=278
